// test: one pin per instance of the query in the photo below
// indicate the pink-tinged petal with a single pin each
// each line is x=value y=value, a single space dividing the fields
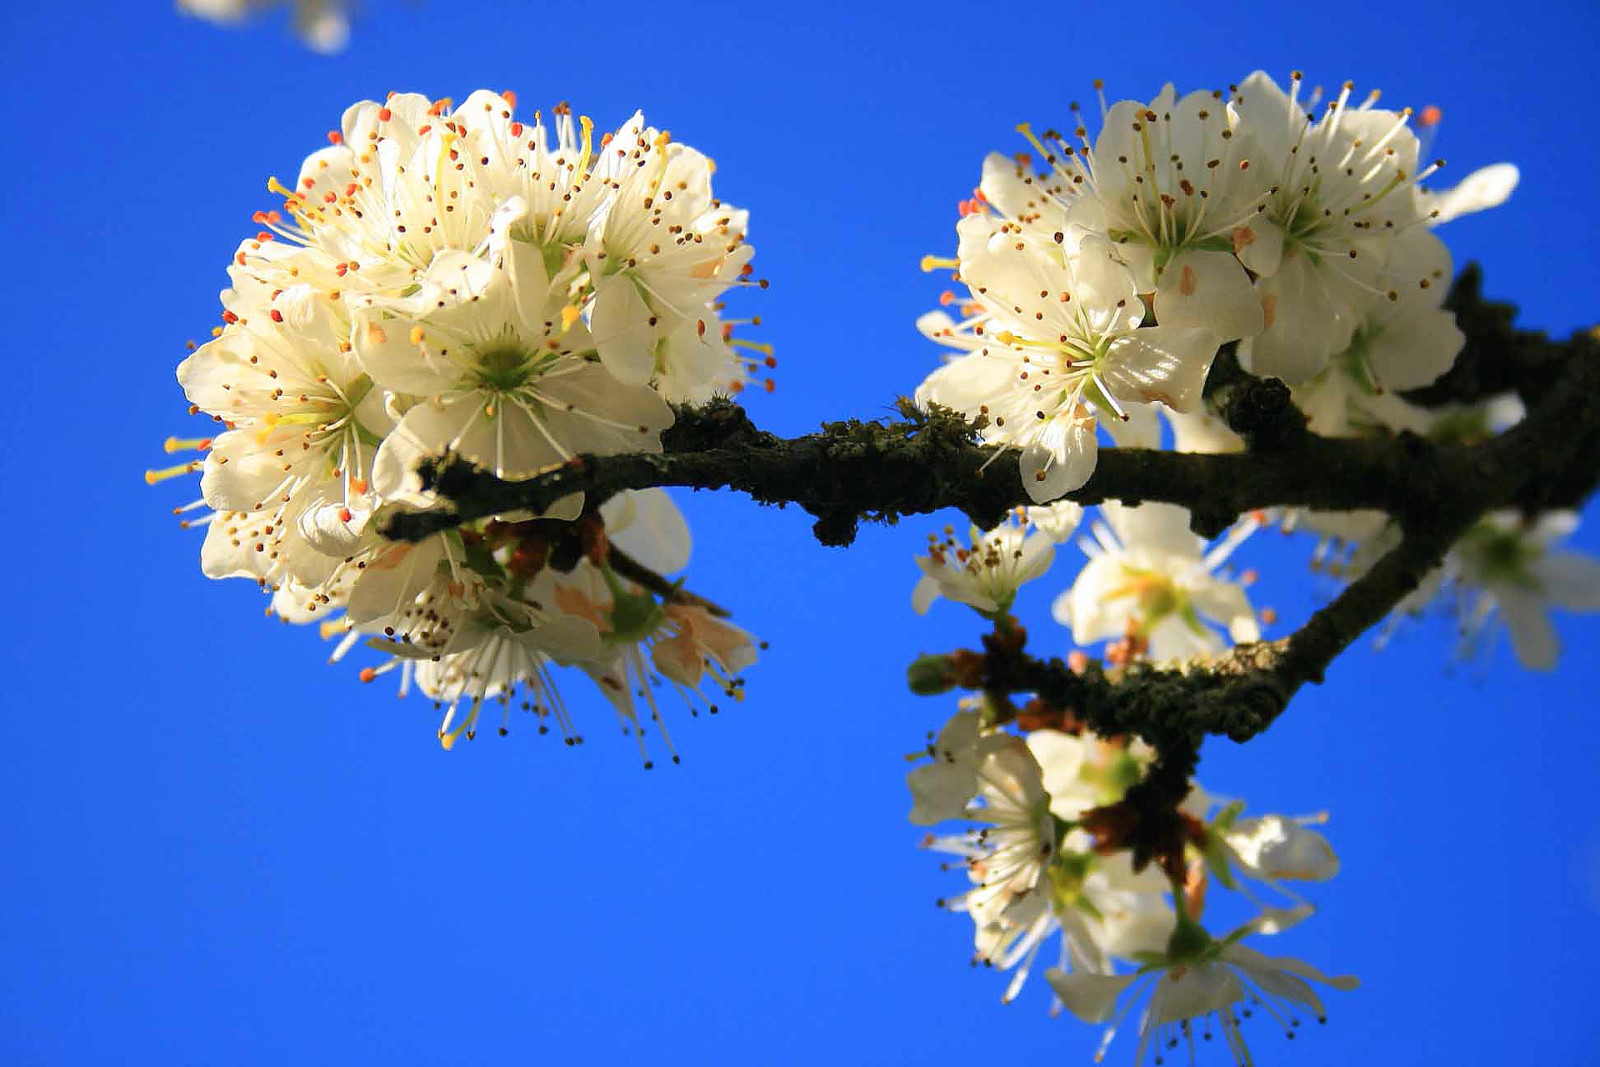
x=1209 y=291
x=1258 y=244
x=1168 y=364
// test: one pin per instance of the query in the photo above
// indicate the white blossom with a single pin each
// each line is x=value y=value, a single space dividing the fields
x=1056 y=346
x=1343 y=188
x=986 y=575
x=1505 y=567
x=1198 y=978
x=1170 y=184
x=1149 y=576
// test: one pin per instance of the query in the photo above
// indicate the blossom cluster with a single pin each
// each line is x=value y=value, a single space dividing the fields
x=1103 y=284
x=1101 y=281
x=1104 y=275
x=1047 y=853
x=453 y=279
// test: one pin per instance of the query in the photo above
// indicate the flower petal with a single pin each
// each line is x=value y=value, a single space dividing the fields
x=1161 y=363
x=1209 y=291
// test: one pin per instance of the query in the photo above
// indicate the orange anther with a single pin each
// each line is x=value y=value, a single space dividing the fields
x=384 y=114
x=335 y=137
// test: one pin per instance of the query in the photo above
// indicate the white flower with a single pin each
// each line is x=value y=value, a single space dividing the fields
x=504 y=645
x=1008 y=856
x=1150 y=576
x=504 y=369
x=985 y=576
x=1197 y=978
x=1170 y=183
x=1343 y=187
x=1060 y=341
x=663 y=253
x=1507 y=566
x=322 y=24
x=303 y=424
x=1402 y=340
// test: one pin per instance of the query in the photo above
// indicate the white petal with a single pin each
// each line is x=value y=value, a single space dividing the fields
x=1304 y=326
x=1415 y=348
x=648 y=526
x=1161 y=363
x=1272 y=846
x=1209 y=291
x=1484 y=188
x=1259 y=245
x=1059 y=460
x=623 y=331
x=1533 y=635
x=940 y=791
x=1569 y=580
x=1091 y=997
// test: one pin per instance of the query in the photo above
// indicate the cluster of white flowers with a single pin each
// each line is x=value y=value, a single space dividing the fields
x=1045 y=859
x=324 y=25
x=453 y=279
x=1149 y=583
x=1106 y=282
x=1101 y=285
x=1035 y=870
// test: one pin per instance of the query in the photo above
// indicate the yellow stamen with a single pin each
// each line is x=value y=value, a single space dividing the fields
x=187 y=444
x=933 y=263
x=587 y=125
x=151 y=477
x=1027 y=131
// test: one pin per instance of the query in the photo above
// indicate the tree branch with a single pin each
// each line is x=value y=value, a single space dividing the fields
x=853 y=471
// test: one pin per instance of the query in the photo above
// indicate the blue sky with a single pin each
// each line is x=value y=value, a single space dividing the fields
x=220 y=850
